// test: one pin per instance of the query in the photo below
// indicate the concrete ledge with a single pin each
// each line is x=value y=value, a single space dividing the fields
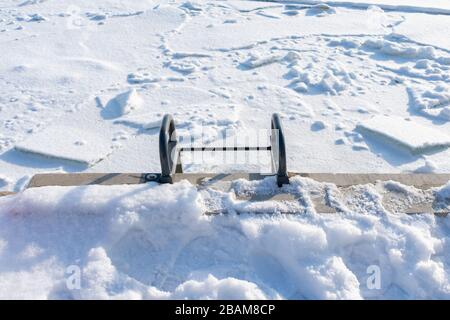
x=82 y=179
x=6 y=193
x=422 y=181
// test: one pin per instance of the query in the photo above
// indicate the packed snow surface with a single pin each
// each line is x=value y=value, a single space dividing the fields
x=85 y=84
x=155 y=242
x=114 y=68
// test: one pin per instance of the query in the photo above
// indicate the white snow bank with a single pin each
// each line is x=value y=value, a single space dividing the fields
x=415 y=137
x=67 y=143
x=153 y=241
x=213 y=288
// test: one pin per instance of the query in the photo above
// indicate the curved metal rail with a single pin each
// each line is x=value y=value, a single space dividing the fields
x=278 y=150
x=169 y=154
x=167 y=149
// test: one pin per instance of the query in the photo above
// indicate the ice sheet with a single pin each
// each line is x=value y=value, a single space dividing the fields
x=67 y=143
x=417 y=138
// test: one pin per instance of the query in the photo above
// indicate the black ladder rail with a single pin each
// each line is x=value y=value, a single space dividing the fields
x=278 y=150
x=170 y=155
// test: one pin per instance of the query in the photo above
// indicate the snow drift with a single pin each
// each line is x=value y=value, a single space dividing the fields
x=154 y=242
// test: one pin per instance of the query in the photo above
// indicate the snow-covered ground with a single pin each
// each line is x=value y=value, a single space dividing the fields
x=84 y=84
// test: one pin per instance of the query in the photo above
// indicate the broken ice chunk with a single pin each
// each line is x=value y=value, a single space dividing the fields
x=428 y=167
x=128 y=101
x=318 y=125
x=407 y=134
x=122 y=104
x=254 y=61
x=63 y=142
x=183 y=67
x=36 y=17
x=320 y=10
x=191 y=6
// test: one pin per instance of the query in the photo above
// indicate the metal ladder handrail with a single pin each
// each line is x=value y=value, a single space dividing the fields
x=169 y=153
